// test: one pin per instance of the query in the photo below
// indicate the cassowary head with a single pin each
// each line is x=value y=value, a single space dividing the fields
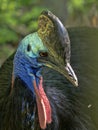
x=49 y=46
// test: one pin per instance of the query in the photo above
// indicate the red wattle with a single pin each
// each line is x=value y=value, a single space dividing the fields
x=46 y=103
x=43 y=105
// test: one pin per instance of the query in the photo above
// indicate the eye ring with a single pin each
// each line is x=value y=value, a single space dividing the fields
x=43 y=54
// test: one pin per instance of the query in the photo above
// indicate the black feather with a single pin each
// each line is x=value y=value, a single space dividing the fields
x=70 y=109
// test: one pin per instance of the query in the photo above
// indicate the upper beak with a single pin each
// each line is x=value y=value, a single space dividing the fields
x=66 y=70
x=71 y=76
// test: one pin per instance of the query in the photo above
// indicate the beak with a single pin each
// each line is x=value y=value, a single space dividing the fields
x=71 y=76
x=66 y=70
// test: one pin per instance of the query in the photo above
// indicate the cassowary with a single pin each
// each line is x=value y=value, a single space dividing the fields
x=33 y=95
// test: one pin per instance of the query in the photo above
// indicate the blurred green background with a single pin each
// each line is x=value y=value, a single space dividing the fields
x=19 y=18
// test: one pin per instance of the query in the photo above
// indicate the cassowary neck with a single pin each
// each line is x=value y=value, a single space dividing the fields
x=28 y=71
x=25 y=68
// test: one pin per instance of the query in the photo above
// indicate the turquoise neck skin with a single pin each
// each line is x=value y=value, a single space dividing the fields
x=26 y=66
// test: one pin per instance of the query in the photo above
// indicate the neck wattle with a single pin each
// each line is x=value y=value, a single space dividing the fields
x=43 y=105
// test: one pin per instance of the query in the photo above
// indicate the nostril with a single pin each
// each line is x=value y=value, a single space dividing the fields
x=71 y=76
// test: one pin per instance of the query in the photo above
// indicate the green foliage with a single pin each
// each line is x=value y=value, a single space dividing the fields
x=81 y=5
x=7 y=35
x=83 y=12
x=17 y=18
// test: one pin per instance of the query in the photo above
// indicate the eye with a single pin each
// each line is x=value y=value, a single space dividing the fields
x=28 y=47
x=43 y=54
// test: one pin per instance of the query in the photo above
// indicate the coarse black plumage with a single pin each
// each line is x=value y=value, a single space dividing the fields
x=66 y=113
x=70 y=106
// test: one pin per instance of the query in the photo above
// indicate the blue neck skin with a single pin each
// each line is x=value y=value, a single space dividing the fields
x=27 y=69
